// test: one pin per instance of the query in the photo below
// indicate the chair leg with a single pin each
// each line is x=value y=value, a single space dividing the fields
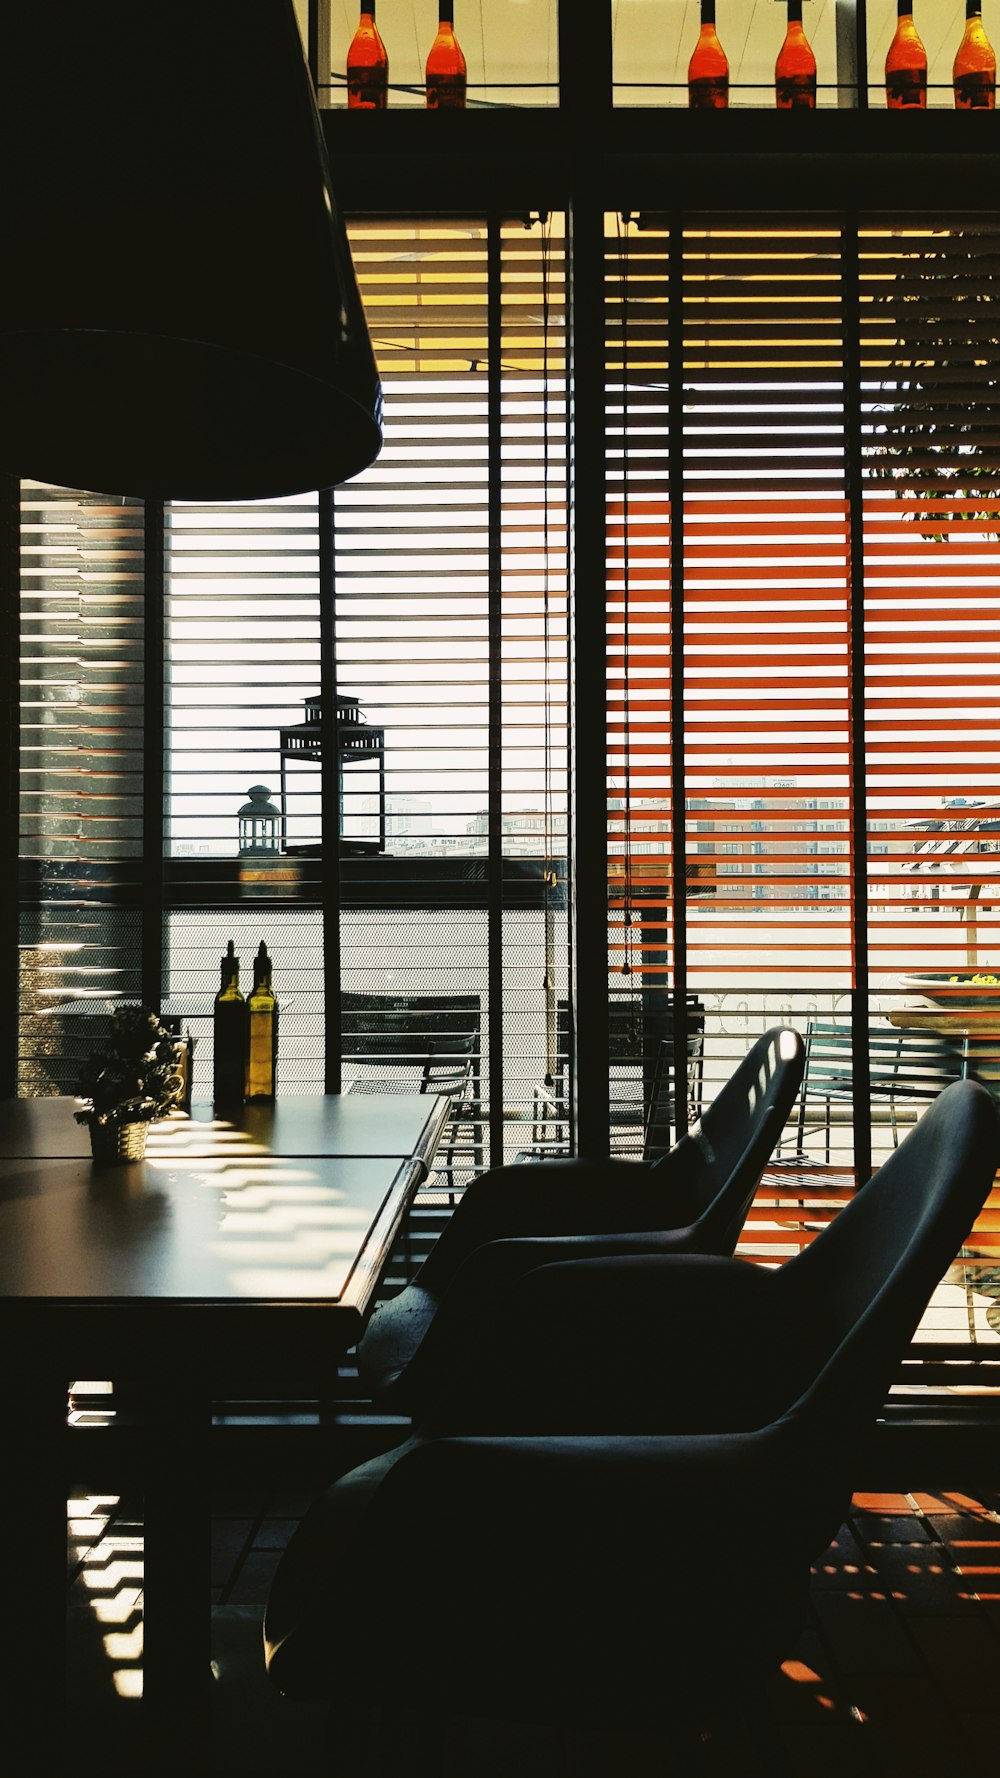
x=970 y=1304
x=373 y=1745
x=746 y=1742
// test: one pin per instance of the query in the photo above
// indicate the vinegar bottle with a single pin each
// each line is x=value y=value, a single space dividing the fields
x=708 y=69
x=795 y=68
x=367 y=65
x=263 y=1013
x=445 y=71
x=905 y=64
x=230 y=1037
x=975 y=70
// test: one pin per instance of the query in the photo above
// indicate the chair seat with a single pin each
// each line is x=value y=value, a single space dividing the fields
x=550 y=1636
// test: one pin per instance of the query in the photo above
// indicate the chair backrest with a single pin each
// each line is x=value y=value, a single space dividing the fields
x=866 y=1280
x=449 y=1066
x=903 y=1064
x=399 y=1027
x=720 y=1161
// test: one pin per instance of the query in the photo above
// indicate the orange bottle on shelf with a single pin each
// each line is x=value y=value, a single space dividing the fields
x=367 y=65
x=445 y=73
x=906 y=64
x=974 y=74
x=795 y=68
x=708 y=69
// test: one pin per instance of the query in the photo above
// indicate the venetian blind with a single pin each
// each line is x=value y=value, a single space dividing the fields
x=743 y=402
x=931 y=346
x=822 y=631
x=81 y=770
x=242 y=654
x=450 y=594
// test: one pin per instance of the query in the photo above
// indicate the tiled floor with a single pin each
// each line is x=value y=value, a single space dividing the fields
x=897 y=1671
x=255 y=1729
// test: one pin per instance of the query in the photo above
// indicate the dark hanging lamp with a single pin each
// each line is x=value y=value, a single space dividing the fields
x=179 y=314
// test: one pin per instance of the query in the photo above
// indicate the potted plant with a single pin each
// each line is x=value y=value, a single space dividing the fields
x=135 y=1078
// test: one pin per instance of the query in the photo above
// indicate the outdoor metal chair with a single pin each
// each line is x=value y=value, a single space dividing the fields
x=428 y=1042
x=450 y=1068
x=904 y=1069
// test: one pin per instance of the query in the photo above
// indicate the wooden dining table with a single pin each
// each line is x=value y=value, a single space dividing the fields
x=241 y=1256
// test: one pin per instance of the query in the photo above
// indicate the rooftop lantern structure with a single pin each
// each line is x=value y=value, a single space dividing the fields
x=360 y=778
x=260 y=823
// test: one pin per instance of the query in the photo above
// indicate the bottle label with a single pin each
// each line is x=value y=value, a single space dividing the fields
x=709 y=93
x=905 y=87
x=795 y=92
x=263 y=1033
x=367 y=91
x=975 y=91
x=446 y=93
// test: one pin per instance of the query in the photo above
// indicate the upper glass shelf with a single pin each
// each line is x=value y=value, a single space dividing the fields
x=511 y=48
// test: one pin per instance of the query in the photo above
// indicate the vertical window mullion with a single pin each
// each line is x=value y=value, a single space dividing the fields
x=10 y=653
x=677 y=927
x=856 y=703
x=330 y=794
x=588 y=679
x=153 y=764
x=494 y=941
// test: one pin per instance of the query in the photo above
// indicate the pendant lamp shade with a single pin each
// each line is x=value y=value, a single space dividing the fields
x=179 y=316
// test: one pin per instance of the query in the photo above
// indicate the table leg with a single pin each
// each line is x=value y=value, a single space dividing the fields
x=33 y=1620
x=176 y=1591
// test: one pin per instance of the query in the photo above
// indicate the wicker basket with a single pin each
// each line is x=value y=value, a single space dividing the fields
x=118 y=1142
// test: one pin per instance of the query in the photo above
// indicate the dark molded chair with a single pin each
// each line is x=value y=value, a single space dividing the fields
x=632 y=1576
x=694 y=1199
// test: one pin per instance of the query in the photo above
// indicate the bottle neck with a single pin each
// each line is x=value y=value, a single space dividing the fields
x=446 y=12
x=904 y=9
x=973 y=9
x=708 y=12
x=368 y=12
x=795 y=12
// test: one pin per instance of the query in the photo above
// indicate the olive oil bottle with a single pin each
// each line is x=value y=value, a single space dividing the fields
x=230 y=1032
x=263 y=1011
